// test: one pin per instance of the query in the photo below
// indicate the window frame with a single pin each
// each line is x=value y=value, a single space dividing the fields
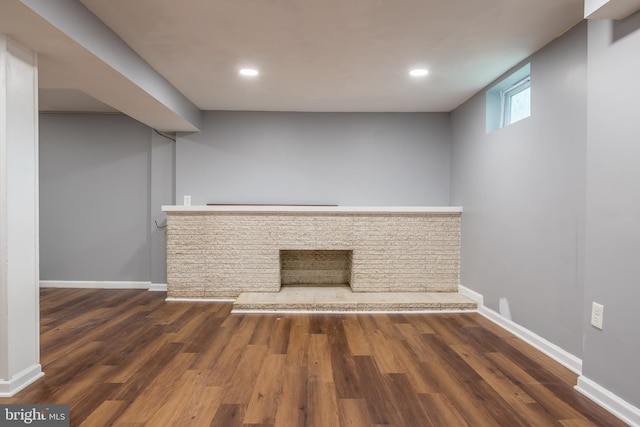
x=507 y=94
x=512 y=83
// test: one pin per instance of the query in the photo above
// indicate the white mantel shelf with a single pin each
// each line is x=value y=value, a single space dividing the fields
x=315 y=209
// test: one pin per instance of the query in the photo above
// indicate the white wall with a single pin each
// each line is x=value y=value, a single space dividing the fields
x=316 y=158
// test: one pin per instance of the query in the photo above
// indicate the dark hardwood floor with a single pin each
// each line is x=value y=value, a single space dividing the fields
x=128 y=358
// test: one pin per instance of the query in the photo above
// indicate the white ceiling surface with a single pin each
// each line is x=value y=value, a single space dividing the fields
x=334 y=55
x=70 y=100
x=329 y=55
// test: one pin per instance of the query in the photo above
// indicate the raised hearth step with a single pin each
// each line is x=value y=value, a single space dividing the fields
x=342 y=299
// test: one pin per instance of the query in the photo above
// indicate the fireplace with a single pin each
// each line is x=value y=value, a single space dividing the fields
x=315 y=267
x=223 y=251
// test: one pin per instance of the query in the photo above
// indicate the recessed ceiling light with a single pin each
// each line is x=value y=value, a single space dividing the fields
x=248 y=72
x=418 y=72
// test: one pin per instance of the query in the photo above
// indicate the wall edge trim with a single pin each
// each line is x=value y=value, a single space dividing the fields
x=589 y=388
x=91 y=284
x=555 y=352
x=221 y=299
x=10 y=387
x=609 y=401
x=158 y=287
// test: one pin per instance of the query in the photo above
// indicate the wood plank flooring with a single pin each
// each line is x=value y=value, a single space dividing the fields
x=128 y=358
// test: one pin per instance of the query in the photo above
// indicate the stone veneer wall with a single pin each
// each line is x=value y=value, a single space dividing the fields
x=221 y=254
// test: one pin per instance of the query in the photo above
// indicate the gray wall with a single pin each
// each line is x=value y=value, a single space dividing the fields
x=316 y=158
x=94 y=198
x=523 y=192
x=613 y=206
x=163 y=152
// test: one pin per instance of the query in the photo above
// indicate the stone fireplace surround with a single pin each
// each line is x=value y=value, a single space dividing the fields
x=221 y=251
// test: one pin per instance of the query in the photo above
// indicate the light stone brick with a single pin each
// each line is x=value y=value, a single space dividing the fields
x=222 y=254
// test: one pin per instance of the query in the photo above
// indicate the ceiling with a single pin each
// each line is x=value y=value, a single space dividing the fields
x=329 y=55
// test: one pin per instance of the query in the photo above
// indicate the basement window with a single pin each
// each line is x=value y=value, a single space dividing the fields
x=516 y=102
x=509 y=101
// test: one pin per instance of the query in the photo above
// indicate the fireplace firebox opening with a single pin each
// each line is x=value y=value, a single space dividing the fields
x=315 y=267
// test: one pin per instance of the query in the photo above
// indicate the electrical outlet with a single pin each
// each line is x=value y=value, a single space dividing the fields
x=597 y=315
x=187 y=200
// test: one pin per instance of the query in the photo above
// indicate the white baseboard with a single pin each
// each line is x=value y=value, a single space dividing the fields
x=609 y=401
x=93 y=284
x=10 y=387
x=220 y=299
x=553 y=351
x=558 y=354
x=478 y=298
x=158 y=287
x=600 y=395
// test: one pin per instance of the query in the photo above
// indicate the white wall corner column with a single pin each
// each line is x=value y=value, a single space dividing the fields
x=610 y=9
x=19 y=263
